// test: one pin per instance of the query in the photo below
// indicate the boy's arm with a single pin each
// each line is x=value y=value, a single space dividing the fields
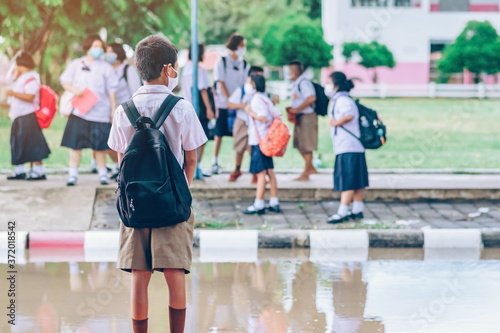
x=206 y=101
x=190 y=164
x=341 y=122
x=232 y=106
x=120 y=155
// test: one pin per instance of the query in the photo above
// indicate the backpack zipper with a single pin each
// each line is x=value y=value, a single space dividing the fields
x=132 y=205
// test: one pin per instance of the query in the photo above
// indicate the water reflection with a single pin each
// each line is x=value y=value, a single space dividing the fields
x=268 y=296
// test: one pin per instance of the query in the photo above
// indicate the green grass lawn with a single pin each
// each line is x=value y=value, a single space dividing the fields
x=422 y=133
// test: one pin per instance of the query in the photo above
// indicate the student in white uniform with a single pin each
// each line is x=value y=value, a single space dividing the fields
x=90 y=130
x=238 y=101
x=262 y=113
x=128 y=83
x=27 y=142
x=231 y=72
x=206 y=113
x=305 y=134
x=351 y=173
x=167 y=249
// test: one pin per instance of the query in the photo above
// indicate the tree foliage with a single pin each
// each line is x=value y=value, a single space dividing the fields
x=296 y=36
x=371 y=55
x=476 y=49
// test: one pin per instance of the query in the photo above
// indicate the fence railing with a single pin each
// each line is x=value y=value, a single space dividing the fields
x=431 y=90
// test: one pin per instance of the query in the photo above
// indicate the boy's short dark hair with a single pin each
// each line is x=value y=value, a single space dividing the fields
x=234 y=41
x=297 y=63
x=151 y=54
x=25 y=59
x=87 y=43
x=201 y=51
x=119 y=50
x=255 y=69
x=260 y=82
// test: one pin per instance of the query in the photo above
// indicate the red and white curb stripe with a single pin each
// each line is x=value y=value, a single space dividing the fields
x=232 y=245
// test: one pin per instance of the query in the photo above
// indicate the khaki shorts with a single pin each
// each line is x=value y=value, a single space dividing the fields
x=156 y=248
x=240 y=136
x=305 y=134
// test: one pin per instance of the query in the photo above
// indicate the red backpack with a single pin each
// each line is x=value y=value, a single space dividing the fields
x=48 y=105
x=277 y=137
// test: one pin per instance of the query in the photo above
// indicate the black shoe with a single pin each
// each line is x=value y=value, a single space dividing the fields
x=336 y=218
x=357 y=216
x=115 y=175
x=19 y=176
x=93 y=170
x=274 y=209
x=252 y=210
x=37 y=177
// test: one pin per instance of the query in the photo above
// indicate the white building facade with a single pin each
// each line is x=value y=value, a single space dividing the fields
x=414 y=30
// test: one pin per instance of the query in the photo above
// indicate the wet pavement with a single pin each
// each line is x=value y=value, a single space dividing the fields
x=226 y=214
x=284 y=291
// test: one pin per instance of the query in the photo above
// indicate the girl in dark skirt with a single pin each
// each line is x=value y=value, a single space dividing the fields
x=351 y=173
x=27 y=142
x=90 y=128
x=261 y=164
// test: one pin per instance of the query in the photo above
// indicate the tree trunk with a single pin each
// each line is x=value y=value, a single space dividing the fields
x=477 y=78
x=375 y=76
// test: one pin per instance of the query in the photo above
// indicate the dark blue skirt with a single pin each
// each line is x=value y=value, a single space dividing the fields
x=81 y=134
x=351 y=172
x=27 y=142
x=258 y=161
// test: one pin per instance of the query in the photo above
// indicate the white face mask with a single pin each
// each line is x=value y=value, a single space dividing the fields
x=240 y=51
x=249 y=89
x=173 y=81
x=329 y=90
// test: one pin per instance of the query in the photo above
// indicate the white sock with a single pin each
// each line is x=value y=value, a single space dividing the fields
x=103 y=172
x=343 y=210
x=116 y=168
x=357 y=207
x=73 y=172
x=20 y=169
x=93 y=164
x=259 y=204
x=73 y=268
x=274 y=201
x=215 y=160
x=39 y=169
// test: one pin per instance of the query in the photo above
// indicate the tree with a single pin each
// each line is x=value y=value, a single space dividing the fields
x=371 y=55
x=296 y=36
x=476 y=49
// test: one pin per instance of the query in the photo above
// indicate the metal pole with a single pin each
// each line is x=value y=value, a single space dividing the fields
x=194 y=60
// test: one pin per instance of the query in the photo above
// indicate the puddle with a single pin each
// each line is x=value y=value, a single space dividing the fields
x=279 y=293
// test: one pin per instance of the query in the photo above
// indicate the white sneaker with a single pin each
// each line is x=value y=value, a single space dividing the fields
x=215 y=169
x=71 y=181
x=104 y=180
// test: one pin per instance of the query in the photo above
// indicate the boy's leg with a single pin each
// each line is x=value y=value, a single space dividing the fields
x=176 y=281
x=308 y=167
x=139 y=299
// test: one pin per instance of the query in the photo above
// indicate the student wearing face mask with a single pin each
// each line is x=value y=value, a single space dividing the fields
x=28 y=144
x=231 y=72
x=351 y=173
x=238 y=101
x=90 y=129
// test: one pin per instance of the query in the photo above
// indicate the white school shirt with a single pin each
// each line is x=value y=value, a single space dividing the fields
x=306 y=91
x=343 y=142
x=261 y=105
x=236 y=98
x=234 y=75
x=182 y=127
x=126 y=88
x=187 y=81
x=100 y=79
x=18 y=107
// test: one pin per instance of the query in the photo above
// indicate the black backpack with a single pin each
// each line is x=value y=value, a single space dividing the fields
x=320 y=106
x=152 y=188
x=372 y=130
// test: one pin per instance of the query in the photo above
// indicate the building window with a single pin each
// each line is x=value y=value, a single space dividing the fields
x=465 y=6
x=385 y=3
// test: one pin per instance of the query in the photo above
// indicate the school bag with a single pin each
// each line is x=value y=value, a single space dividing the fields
x=373 y=132
x=276 y=140
x=320 y=106
x=152 y=187
x=48 y=105
x=202 y=111
x=231 y=114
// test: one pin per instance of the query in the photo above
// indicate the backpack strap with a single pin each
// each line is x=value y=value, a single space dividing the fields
x=165 y=109
x=125 y=75
x=131 y=112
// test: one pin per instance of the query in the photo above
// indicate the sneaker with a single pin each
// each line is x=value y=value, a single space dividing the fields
x=235 y=175
x=274 y=209
x=71 y=181
x=215 y=169
x=251 y=210
x=357 y=216
x=17 y=176
x=104 y=180
x=206 y=174
x=336 y=218
x=114 y=175
x=35 y=176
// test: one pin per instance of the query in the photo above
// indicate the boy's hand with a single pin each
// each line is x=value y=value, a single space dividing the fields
x=333 y=122
x=210 y=113
x=262 y=119
x=275 y=99
x=9 y=93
